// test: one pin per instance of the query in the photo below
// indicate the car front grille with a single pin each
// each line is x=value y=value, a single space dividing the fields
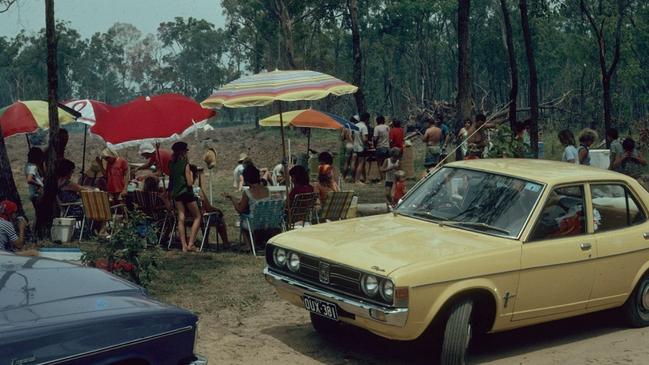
x=342 y=279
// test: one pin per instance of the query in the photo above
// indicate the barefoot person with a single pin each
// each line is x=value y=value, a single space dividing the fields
x=389 y=167
x=181 y=181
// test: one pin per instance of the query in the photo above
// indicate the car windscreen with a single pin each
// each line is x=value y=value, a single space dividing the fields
x=474 y=200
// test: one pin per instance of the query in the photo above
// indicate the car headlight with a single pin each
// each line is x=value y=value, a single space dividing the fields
x=370 y=285
x=387 y=290
x=293 y=262
x=279 y=256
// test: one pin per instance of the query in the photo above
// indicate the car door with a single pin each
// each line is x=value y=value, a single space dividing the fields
x=557 y=260
x=620 y=226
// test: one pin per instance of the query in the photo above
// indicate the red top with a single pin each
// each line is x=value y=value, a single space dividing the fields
x=161 y=158
x=399 y=191
x=396 y=138
x=299 y=189
x=115 y=172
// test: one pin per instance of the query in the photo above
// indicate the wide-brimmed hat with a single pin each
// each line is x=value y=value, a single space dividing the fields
x=400 y=173
x=242 y=156
x=210 y=158
x=179 y=147
x=107 y=152
x=146 y=147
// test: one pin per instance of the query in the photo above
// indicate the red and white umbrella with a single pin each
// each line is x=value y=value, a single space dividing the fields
x=151 y=119
x=90 y=110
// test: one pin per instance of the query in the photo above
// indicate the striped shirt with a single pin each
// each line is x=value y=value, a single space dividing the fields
x=7 y=235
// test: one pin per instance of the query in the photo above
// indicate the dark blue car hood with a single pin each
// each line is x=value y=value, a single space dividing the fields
x=57 y=308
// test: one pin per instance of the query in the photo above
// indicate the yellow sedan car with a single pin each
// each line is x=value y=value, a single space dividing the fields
x=477 y=246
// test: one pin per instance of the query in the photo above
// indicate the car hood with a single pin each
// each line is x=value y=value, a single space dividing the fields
x=30 y=281
x=387 y=242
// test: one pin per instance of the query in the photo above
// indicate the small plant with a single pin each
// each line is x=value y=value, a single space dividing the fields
x=128 y=253
x=503 y=144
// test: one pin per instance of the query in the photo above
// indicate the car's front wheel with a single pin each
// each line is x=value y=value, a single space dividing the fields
x=457 y=333
x=636 y=308
x=323 y=325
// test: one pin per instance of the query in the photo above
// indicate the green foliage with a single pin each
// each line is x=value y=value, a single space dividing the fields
x=503 y=144
x=128 y=253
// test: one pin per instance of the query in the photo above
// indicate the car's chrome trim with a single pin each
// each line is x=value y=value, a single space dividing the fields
x=118 y=346
x=393 y=316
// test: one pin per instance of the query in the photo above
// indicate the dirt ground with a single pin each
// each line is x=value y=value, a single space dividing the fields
x=281 y=334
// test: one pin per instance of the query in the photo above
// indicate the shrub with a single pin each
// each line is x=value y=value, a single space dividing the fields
x=128 y=253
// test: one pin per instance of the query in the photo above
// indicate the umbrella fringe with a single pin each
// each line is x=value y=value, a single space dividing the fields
x=195 y=127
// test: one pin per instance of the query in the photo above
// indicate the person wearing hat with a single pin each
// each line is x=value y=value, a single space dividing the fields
x=159 y=157
x=181 y=182
x=116 y=172
x=9 y=239
x=237 y=183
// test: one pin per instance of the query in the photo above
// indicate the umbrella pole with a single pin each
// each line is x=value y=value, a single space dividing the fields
x=83 y=161
x=281 y=128
x=29 y=144
x=308 y=141
x=162 y=174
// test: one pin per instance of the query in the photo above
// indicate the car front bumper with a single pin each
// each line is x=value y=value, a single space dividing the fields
x=387 y=316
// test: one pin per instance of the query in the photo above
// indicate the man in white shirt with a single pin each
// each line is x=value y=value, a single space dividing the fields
x=381 y=142
x=360 y=148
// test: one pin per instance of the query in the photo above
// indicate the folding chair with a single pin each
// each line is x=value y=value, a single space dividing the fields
x=97 y=208
x=336 y=206
x=64 y=208
x=263 y=215
x=302 y=207
x=152 y=205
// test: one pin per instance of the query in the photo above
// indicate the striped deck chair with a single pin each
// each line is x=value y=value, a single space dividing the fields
x=336 y=206
x=266 y=214
x=97 y=208
x=152 y=205
x=302 y=207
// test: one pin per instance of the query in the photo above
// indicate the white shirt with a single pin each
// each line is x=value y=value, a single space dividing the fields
x=381 y=134
x=359 y=145
x=570 y=153
x=238 y=171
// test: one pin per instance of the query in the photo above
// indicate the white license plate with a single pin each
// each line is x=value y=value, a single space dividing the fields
x=320 y=307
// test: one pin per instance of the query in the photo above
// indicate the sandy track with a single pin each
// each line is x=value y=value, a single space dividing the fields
x=281 y=334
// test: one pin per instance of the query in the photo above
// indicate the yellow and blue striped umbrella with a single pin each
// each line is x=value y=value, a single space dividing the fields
x=267 y=87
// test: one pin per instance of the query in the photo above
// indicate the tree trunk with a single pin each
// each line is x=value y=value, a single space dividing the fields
x=48 y=201
x=352 y=5
x=464 y=97
x=9 y=190
x=513 y=68
x=531 y=65
x=286 y=24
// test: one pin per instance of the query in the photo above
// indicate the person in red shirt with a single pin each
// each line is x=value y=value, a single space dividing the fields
x=300 y=180
x=399 y=187
x=159 y=157
x=396 y=135
x=117 y=173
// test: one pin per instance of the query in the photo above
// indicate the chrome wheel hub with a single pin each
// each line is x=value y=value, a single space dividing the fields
x=644 y=297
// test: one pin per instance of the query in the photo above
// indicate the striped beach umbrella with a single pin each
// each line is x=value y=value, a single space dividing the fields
x=267 y=87
x=29 y=116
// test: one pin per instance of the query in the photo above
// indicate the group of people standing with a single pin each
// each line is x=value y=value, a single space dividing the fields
x=623 y=155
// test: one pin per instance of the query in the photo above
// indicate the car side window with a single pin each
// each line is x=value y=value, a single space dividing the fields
x=616 y=207
x=563 y=214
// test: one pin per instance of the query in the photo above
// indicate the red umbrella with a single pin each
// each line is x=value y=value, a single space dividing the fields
x=154 y=119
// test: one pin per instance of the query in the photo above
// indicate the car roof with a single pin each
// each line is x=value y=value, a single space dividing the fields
x=545 y=171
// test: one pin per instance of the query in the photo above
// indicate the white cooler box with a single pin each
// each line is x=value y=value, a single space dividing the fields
x=63 y=229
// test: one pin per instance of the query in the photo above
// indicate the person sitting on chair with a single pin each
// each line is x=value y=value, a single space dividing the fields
x=255 y=193
x=325 y=183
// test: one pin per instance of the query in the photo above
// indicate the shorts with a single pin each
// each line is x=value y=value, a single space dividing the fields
x=185 y=198
x=433 y=154
x=388 y=184
x=382 y=153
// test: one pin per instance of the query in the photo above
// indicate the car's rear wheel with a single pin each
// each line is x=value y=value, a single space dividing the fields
x=323 y=325
x=457 y=333
x=636 y=308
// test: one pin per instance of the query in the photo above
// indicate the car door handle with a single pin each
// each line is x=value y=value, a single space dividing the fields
x=585 y=246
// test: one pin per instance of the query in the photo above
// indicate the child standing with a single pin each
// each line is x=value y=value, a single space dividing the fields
x=399 y=187
x=389 y=167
